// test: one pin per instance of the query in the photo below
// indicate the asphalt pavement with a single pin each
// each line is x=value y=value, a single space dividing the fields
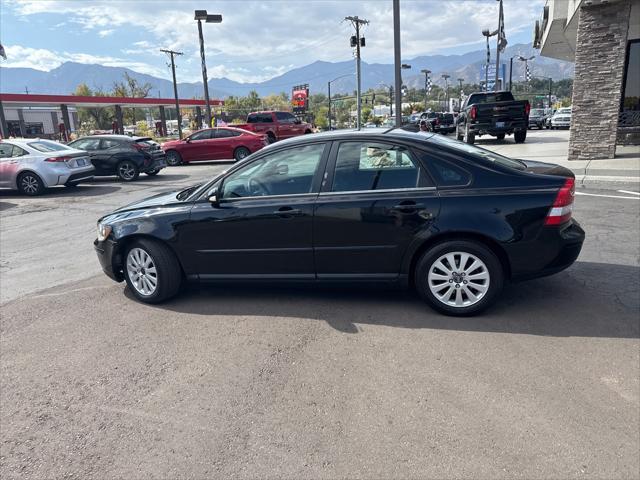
x=311 y=383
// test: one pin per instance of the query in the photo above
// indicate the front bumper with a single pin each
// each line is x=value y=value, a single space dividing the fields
x=109 y=256
x=555 y=249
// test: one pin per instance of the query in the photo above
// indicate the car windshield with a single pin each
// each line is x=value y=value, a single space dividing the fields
x=564 y=110
x=477 y=151
x=47 y=146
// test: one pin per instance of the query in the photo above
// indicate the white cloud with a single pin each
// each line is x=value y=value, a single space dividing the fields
x=258 y=39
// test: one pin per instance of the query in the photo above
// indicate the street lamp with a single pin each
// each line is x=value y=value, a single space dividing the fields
x=446 y=82
x=426 y=86
x=488 y=34
x=329 y=92
x=199 y=16
x=526 y=65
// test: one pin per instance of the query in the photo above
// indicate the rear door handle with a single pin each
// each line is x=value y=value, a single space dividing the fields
x=288 y=212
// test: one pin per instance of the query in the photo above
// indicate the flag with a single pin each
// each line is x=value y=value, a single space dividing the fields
x=527 y=72
x=2 y=52
x=502 y=38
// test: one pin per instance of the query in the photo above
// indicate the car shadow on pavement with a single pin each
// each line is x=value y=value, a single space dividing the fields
x=588 y=300
x=510 y=141
x=84 y=190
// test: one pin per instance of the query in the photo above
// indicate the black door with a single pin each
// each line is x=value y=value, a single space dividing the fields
x=262 y=227
x=92 y=146
x=377 y=200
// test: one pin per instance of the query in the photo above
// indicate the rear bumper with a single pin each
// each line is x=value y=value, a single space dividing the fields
x=108 y=257
x=554 y=250
x=79 y=177
x=493 y=128
x=157 y=163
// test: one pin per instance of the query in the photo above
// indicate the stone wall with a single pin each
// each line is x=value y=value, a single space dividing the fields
x=600 y=55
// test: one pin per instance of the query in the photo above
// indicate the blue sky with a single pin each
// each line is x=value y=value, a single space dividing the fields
x=256 y=40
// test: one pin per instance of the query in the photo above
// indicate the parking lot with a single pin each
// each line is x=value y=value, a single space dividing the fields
x=318 y=383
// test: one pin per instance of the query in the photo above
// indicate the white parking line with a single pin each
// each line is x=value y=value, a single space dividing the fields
x=628 y=192
x=607 y=196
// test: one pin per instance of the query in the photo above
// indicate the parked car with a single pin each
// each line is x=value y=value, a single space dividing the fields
x=275 y=125
x=561 y=119
x=32 y=165
x=393 y=207
x=441 y=122
x=537 y=118
x=222 y=143
x=122 y=155
x=493 y=113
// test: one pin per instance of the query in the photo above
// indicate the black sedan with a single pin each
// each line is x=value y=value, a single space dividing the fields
x=122 y=155
x=451 y=220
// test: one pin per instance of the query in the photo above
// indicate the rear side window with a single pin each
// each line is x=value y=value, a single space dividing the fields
x=224 y=133
x=260 y=118
x=6 y=150
x=362 y=166
x=109 y=143
x=446 y=174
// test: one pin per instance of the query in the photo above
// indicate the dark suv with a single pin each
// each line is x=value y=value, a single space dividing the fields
x=441 y=122
x=417 y=209
x=121 y=155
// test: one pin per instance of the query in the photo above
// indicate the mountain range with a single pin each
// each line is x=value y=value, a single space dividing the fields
x=65 y=78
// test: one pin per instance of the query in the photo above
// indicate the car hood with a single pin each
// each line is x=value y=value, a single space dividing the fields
x=543 y=168
x=159 y=200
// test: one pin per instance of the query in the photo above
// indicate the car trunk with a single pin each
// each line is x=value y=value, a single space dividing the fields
x=501 y=111
x=542 y=168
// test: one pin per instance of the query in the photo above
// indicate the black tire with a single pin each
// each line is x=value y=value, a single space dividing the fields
x=428 y=260
x=459 y=135
x=241 y=153
x=271 y=138
x=520 y=136
x=127 y=171
x=71 y=185
x=152 y=173
x=30 y=184
x=469 y=137
x=173 y=158
x=500 y=136
x=168 y=271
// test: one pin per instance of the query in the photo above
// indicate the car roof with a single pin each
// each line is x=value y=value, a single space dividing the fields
x=25 y=140
x=113 y=137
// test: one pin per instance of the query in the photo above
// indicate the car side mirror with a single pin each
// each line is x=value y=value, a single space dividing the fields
x=187 y=140
x=297 y=121
x=282 y=169
x=214 y=198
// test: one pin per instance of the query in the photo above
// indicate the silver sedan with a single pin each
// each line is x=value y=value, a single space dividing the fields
x=31 y=165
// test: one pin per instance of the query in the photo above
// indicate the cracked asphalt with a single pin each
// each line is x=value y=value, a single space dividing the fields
x=310 y=383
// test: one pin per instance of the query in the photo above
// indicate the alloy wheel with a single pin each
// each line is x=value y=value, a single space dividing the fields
x=29 y=184
x=142 y=271
x=126 y=171
x=458 y=279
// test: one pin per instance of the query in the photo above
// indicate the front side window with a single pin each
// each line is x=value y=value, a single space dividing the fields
x=375 y=166
x=86 y=144
x=285 y=117
x=201 y=135
x=287 y=172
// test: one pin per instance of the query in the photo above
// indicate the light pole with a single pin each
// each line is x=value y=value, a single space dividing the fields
x=488 y=34
x=329 y=93
x=403 y=87
x=446 y=82
x=460 y=80
x=526 y=67
x=199 y=16
x=426 y=86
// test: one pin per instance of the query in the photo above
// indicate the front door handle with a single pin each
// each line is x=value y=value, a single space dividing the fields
x=287 y=212
x=410 y=206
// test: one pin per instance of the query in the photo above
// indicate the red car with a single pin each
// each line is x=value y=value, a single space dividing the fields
x=223 y=143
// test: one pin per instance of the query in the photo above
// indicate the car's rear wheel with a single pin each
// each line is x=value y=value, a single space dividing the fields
x=459 y=277
x=151 y=271
x=520 y=136
x=469 y=137
x=173 y=158
x=241 y=153
x=151 y=173
x=30 y=184
x=127 y=171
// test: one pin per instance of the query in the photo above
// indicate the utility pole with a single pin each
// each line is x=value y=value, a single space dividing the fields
x=208 y=18
x=397 y=61
x=460 y=80
x=501 y=43
x=175 y=88
x=426 y=86
x=550 y=82
x=26 y=90
x=357 y=42
x=446 y=82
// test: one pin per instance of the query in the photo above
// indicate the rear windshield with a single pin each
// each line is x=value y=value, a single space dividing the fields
x=478 y=152
x=537 y=111
x=447 y=117
x=260 y=118
x=490 y=97
x=47 y=146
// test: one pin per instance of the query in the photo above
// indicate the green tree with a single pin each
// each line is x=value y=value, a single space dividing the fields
x=92 y=118
x=130 y=87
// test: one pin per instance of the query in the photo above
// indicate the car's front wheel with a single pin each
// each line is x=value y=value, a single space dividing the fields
x=241 y=153
x=173 y=158
x=459 y=277
x=151 y=271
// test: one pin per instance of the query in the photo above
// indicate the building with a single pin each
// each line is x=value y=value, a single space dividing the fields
x=43 y=122
x=602 y=37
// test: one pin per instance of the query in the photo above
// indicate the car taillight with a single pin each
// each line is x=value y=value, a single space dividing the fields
x=437 y=121
x=527 y=108
x=57 y=159
x=474 y=112
x=563 y=205
x=137 y=146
